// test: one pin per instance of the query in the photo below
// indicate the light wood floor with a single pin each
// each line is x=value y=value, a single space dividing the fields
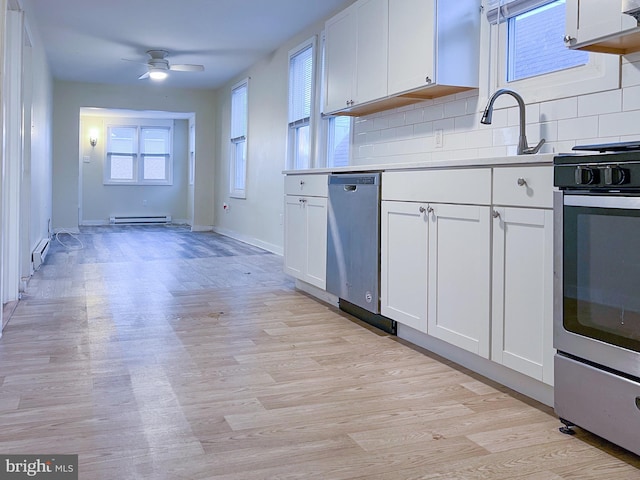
x=155 y=353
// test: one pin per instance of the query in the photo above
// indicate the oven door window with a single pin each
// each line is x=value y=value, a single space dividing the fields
x=601 y=259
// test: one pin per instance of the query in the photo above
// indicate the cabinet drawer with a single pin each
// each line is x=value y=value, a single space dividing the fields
x=309 y=185
x=523 y=186
x=466 y=186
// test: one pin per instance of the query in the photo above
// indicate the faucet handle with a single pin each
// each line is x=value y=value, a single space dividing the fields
x=533 y=150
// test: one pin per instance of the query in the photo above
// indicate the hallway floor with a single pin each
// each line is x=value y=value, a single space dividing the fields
x=157 y=353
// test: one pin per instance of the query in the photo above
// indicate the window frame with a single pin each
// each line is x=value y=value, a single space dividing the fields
x=137 y=157
x=326 y=131
x=601 y=73
x=294 y=126
x=238 y=143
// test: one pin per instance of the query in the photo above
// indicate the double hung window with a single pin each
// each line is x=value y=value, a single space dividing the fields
x=139 y=154
x=528 y=52
x=238 y=164
x=301 y=103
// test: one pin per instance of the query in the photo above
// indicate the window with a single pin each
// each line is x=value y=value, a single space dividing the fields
x=338 y=141
x=238 y=154
x=528 y=53
x=192 y=151
x=301 y=99
x=139 y=154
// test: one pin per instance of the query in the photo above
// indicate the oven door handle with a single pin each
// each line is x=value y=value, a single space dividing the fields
x=602 y=201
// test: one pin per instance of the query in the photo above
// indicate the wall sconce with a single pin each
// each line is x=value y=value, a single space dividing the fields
x=93 y=137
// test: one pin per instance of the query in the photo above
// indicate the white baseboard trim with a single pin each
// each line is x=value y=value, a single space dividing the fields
x=94 y=223
x=278 y=250
x=528 y=386
x=318 y=293
x=66 y=230
x=201 y=228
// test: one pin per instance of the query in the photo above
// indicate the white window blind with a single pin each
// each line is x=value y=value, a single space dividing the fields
x=238 y=134
x=300 y=86
x=500 y=10
x=239 y=112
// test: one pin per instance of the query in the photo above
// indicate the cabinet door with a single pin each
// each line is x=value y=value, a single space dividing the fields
x=340 y=60
x=459 y=276
x=522 y=324
x=371 y=50
x=295 y=236
x=411 y=48
x=403 y=265
x=591 y=20
x=316 y=234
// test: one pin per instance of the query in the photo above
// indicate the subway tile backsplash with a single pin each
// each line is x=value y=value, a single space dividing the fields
x=407 y=134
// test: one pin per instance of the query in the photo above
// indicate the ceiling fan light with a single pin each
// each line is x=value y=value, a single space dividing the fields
x=157 y=74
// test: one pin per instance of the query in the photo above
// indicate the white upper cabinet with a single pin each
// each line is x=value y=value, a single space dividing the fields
x=411 y=48
x=340 y=57
x=381 y=54
x=371 y=49
x=356 y=55
x=600 y=26
x=433 y=46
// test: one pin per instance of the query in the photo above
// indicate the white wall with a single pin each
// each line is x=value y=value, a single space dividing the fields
x=99 y=201
x=257 y=219
x=70 y=97
x=38 y=138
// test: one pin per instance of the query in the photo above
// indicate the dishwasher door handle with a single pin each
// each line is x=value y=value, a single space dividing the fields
x=350 y=188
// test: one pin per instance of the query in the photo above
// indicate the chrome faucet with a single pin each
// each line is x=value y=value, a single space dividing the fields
x=523 y=146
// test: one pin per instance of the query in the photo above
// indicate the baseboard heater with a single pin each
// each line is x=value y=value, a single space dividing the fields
x=39 y=253
x=122 y=220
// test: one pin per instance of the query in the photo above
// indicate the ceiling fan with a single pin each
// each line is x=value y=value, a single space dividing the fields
x=158 y=66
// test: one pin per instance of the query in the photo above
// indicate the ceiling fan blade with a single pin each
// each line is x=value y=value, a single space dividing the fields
x=143 y=76
x=187 y=68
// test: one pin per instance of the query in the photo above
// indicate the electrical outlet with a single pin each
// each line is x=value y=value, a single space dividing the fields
x=439 y=138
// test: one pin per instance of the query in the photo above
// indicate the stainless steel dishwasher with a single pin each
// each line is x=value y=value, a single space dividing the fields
x=353 y=246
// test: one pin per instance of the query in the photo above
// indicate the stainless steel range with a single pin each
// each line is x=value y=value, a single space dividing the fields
x=597 y=285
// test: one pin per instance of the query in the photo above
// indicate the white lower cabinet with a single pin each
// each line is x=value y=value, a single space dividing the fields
x=306 y=239
x=522 y=335
x=467 y=257
x=435 y=265
x=403 y=269
x=522 y=298
x=305 y=228
x=460 y=276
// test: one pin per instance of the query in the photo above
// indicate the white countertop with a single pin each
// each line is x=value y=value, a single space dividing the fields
x=510 y=160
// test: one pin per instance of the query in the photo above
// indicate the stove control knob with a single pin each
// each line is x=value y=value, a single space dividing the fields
x=614 y=175
x=585 y=175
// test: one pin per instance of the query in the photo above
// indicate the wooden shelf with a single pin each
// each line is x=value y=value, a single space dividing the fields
x=401 y=100
x=620 y=44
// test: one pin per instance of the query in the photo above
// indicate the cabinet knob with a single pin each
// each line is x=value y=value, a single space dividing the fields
x=301 y=182
x=428 y=80
x=430 y=209
x=569 y=39
x=522 y=182
x=422 y=209
x=496 y=214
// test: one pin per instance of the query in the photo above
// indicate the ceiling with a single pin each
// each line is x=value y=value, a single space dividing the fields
x=87 y=40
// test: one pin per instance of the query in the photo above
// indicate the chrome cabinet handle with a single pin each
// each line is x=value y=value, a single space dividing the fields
x=496 y=214
x=430 y=209
x=428 y=80
x=568 y=39
x=422 y=209
x=522 y=182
